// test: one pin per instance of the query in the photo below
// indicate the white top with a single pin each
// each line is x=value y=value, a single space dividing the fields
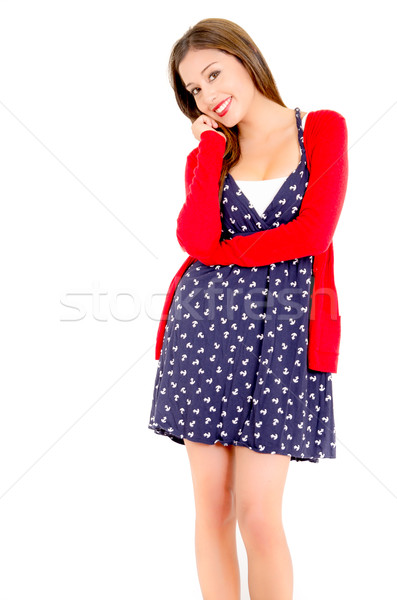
x=261 y=192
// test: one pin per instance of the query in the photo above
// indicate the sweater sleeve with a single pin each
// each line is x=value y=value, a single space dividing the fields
x=199 y=224
x=312 y=230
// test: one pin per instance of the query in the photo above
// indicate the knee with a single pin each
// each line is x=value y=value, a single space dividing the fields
x=260 y=527
x=217 y=510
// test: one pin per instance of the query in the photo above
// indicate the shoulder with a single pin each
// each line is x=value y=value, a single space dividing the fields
x=325 y=125
x=325 y=137
x=324 y=120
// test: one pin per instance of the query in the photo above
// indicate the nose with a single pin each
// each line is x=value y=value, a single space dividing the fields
x=209 y=96
x=212 y=101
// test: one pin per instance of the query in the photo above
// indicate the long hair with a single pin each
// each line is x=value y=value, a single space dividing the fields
x=224 y=35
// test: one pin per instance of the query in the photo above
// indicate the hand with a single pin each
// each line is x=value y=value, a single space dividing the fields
x=204 y=123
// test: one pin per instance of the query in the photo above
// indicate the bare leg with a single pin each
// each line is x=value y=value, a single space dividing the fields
x=260 y=480
x=212 y=468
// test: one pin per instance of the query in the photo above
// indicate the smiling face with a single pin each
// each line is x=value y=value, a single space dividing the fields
x=220 y=84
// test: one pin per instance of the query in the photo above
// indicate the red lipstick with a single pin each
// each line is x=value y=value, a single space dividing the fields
x=224 y=111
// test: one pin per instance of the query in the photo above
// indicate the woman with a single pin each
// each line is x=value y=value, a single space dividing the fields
x=244 y=379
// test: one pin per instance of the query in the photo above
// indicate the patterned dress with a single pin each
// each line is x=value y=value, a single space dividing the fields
x=233 y=367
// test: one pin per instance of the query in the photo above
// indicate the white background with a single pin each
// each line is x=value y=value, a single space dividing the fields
x=93 y=504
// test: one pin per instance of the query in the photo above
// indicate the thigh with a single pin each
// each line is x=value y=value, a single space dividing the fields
x=213 y=476
x=260 y=481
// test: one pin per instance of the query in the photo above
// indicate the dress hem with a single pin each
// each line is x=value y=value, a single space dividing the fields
x=179 y=440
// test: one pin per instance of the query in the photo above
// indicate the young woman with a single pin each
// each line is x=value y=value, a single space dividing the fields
x=252 y=324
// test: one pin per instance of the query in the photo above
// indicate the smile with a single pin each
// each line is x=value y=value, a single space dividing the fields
x=221 y=109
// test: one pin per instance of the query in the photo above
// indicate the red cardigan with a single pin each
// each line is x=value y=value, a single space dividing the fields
x=309 y=233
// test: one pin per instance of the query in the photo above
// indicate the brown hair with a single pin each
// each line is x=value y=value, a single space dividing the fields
x=224 y=35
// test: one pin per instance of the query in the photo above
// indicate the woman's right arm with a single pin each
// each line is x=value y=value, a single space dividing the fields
x=199 y=225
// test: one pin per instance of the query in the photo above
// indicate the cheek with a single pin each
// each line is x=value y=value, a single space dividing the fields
x=245 y=86
x=199 y=104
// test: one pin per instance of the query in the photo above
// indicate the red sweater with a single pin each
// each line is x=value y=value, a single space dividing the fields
x=309 y=233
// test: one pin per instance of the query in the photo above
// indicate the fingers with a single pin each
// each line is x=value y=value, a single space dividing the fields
x=202 y=123
x=208 y=121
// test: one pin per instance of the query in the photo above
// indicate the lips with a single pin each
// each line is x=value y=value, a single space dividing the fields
x=222 y=108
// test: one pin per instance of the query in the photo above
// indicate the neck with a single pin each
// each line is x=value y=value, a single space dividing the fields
x=263 y=118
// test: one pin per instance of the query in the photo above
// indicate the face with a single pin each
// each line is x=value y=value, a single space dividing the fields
x=219 y=83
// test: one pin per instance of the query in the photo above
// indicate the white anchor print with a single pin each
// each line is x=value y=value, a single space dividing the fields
x=222 y=351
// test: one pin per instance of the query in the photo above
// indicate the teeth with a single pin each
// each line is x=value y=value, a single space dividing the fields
x=223 y=106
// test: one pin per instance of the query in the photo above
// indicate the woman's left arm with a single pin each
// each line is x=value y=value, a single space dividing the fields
x=311 y=232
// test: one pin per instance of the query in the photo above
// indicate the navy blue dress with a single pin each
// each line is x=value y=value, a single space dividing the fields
x=233 y=367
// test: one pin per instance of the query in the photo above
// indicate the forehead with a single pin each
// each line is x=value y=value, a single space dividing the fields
x=196 y=60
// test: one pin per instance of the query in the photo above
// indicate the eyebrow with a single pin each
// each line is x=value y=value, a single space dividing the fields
x=207 y=67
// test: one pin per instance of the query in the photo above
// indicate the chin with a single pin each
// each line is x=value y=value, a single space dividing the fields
x=231 y=124
x=229 y=121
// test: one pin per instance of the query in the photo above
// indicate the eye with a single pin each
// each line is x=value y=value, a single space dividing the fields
x=214 y=74
x=211 y=77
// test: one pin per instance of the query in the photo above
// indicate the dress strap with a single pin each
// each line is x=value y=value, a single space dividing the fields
x=300 y=130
